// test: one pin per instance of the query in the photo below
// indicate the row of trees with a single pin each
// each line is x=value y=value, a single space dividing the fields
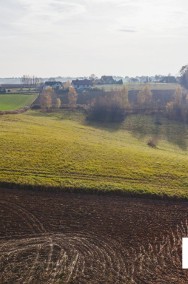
x=177 y=108
x=49 y=99
x=30 y=80
x=114 y=105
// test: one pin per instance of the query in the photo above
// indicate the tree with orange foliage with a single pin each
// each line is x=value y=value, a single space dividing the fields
x=72 y=96
x=46 y=98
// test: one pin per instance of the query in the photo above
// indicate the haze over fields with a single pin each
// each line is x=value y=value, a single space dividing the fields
x=80 y=37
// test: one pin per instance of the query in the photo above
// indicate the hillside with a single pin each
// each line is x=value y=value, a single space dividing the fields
x=62 y=150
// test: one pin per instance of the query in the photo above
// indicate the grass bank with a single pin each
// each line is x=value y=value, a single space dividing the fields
x=60 y=150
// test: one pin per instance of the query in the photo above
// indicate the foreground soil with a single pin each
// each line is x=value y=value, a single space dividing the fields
x=50 y=237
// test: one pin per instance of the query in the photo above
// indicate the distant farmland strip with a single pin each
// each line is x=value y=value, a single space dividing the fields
x=17 y=101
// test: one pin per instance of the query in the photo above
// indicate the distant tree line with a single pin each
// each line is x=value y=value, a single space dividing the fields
x=113 y=105
x=177 y=108
x=116 y=105
x=30 y=80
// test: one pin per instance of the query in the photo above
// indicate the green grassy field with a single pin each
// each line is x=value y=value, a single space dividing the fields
x=17 y=101
x=62 y=150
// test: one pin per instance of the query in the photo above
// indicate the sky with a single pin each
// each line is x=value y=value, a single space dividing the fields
x=49 y=38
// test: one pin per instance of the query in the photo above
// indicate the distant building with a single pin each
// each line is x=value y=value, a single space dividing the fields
x=108 y=80
x=134 y=80
x=2 y=90
x=15 y=86
x=82 y=84
x=168 y=79
x=56 y=85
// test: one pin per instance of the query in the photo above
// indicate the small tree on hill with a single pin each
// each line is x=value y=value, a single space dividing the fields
x=152 y=142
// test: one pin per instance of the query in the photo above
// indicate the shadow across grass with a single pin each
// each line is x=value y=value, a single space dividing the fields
x=140 y=125
x=153 y=126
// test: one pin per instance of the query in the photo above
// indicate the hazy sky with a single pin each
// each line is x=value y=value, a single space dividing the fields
x=81 y=37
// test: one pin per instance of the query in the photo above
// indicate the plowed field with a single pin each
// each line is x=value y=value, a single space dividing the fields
x=80 y=238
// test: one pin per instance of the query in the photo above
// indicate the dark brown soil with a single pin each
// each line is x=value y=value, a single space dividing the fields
x=80 y=238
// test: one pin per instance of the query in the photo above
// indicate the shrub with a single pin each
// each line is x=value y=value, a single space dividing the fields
x=107 y=108
x=152 y=142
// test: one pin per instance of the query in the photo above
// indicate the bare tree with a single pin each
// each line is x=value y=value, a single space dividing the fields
x=184 y=76
x=30 y=80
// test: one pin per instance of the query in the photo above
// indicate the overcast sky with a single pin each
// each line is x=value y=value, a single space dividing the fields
x=81 y=37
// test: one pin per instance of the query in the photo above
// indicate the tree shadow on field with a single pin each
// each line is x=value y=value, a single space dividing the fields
x=107 y=126
x=61 y=114
x=142 y=126
x=177 y=135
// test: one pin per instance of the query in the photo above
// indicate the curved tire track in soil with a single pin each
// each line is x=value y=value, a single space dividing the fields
x=49 y=258
x=29 y=219
x=161 y=262
x=75 y=256
x=64 y=258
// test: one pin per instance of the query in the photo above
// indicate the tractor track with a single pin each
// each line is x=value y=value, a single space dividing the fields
x=77 y=238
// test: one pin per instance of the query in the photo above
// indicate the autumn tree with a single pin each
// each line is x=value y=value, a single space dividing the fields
x=123 y=95
x=57 y=103
x=67 y=85
x=72 y=96
x=144 y=98
x=177 y=108
x=46 y=98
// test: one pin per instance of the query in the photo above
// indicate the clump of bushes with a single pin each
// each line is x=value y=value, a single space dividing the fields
x=152 y=142
x=109 y=107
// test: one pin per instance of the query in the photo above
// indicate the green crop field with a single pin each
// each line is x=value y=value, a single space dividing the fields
x=63 y=150
x=16 y=101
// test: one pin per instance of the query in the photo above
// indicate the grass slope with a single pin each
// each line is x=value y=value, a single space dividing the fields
x=17 y=101
x=62 y=150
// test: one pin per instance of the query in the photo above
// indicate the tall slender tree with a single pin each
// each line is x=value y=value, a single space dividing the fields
x=184 y=76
